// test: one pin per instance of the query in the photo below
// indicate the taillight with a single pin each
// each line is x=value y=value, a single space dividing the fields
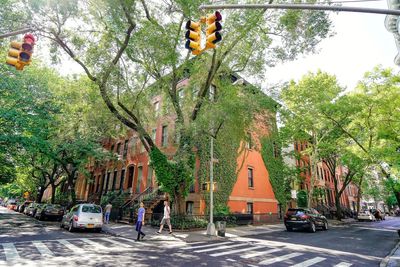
x=304 y=217
x=76 y=218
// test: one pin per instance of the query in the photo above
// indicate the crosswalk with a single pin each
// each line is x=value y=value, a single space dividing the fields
x=257 y=254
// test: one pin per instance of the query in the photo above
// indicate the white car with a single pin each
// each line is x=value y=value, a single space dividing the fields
x=83 y=216
x=365 y=216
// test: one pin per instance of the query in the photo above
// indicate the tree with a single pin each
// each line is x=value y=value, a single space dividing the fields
x=138 y=43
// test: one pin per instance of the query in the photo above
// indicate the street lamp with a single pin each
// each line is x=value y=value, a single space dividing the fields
x=211 y=226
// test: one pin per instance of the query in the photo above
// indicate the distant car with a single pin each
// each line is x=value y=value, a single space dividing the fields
x=47 y=211
x=379 y=215
x=11 y=204
x=304 y=218
x=24 y=205
x=83 y=216
x=365 y=215
x=31 y=209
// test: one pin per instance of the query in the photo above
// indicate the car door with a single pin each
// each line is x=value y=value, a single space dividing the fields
x=315 y=216
x=70 y=214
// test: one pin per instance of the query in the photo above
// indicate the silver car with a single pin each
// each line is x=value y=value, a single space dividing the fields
x=83 y=216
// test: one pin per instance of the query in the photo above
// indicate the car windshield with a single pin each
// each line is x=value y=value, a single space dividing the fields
x=295 y=212
x=91 y=209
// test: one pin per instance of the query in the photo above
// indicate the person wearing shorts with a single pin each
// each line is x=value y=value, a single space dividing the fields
x=166 y=219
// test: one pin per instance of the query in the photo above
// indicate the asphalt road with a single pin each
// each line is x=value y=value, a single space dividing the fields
x=25 y=241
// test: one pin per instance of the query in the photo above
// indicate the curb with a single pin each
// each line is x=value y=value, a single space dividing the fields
x=386 y=260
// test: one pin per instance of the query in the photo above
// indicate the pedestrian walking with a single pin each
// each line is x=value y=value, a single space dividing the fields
x=166 y=218
x=140 y=222
x=107 y=213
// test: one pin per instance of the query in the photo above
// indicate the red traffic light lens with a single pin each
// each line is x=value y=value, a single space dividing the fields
x=218 y=16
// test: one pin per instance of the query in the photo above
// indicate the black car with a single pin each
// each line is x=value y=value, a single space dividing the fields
x=304 y=218
x=49 y=211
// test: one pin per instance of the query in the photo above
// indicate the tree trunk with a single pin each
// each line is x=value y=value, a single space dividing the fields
x=53 y=193
x=338 y=207
x=359 y=194
x=40 y=195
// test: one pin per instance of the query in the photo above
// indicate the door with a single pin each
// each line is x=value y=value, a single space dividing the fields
x=131 y=171
x=139 y=179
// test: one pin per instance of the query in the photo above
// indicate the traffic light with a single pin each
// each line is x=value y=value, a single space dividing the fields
x=20 y=53
x=193 y=36
x=213 y=35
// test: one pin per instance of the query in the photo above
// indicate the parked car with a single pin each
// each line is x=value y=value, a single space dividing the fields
x=31 y=209
x=304 y=218
x=11 y=204
x=24 y=205
x=83 y=216
x=365 y=215
x=379 y=215
x=48 y=211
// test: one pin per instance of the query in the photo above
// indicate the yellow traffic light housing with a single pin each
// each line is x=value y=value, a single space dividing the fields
x=193 y=36
x=20 y=53
x=13 y=55
x=213 y=35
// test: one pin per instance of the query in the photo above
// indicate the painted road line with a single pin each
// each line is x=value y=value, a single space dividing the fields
x=115 y=242
x=309 y=262
x=234 y=251
x=343 y=264
x=70 y=246
x=208 y=245
x=280 y=258
x=43 y=249
x=260 y=253
x=219 y=248
x=93 y=243
x=10 y=251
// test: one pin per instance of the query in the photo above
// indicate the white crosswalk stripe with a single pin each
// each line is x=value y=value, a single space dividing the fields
x=280 y=258
x=43 y=249
x=234 y=251
x=93 y=243
x=343 y=264
x=219 y=248
x=309 y=262
x=206 y=246
x=10 y=251
x=260 y=253
x=70 y=246
x=115 y=242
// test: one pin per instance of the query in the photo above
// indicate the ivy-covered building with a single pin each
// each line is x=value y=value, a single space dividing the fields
x=242 y=178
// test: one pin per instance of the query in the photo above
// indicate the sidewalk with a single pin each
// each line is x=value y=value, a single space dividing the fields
x=393 y=259
x=128 y=231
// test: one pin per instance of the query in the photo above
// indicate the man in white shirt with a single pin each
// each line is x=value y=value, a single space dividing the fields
x=166 y=219
x=107 y=210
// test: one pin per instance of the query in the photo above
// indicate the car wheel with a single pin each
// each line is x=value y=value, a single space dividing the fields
x=289 y=229
x=71 y=227
x=61 y=225
x=97 y=230
x=325 y=226
x=313 y=229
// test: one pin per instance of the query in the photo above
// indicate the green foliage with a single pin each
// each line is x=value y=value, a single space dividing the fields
x=302 y=199
x=116 y=198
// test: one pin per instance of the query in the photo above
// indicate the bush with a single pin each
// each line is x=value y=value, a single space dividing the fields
x=184 y=222
x=302 y=199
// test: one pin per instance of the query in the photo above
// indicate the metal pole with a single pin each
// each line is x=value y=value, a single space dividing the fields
x=211 y=226
x=305 y=6
x=15 y=33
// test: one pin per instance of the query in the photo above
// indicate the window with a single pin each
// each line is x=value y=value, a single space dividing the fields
x=250 y=177
x=107 y=182
x=91 y=209
x=125 y=148
x=249 y=142
x=157 y=107
x=122 y=179
x=189 y=207
x=154 y=134
x=181 y=94
x=131 y=171
x=114 y=180
x=191 y=188
x=149 y=176
x=164 y=139
x=112 y=149
x=133 y=145
x=139 y=180
x=118 y=148
x=250 y=208
x=276 y=150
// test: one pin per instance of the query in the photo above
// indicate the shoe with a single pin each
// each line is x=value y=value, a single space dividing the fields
x=143 y=236
x=170 y=232
x=158 y=232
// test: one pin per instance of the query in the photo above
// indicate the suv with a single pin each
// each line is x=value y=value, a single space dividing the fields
x=83 y=216
x=305 y=218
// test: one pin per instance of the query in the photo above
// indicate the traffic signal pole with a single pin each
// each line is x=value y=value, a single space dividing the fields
x=5 y=35
x=305 y=7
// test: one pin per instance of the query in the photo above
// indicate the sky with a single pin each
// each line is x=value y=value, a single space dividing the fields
x=361 y=42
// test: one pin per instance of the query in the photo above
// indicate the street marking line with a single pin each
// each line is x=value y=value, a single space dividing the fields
x=70 y=246
x=219 y=248
x=115 y=242
x=234 y=251
x=10 y=251
x=134 y=242
x=260 y=253
x=95 y=244
x=309 y=262
x=377 y=229
x=43 y=249
x=280 y=258
x=343 y=264
x=208 y=245
x=231 y=260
